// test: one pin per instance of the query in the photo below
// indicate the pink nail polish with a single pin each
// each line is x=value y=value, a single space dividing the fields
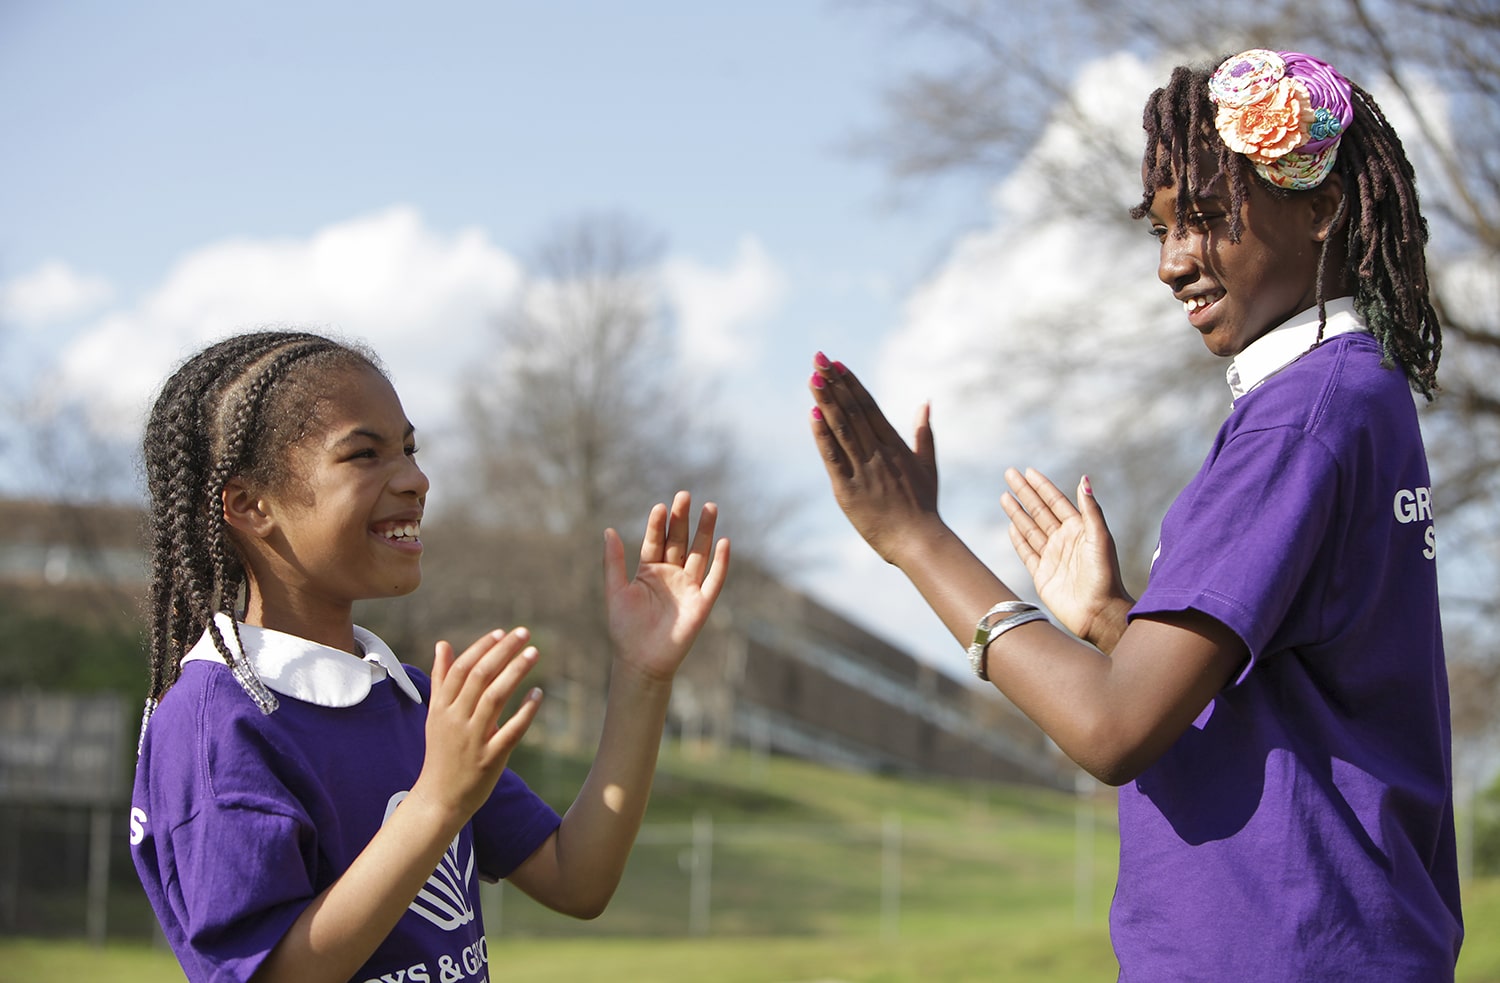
x=817 y=414
x=817 y=381
x=821 y=360
x=840 y=368
x=1088 y=488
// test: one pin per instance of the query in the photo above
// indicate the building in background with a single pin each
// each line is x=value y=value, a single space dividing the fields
x=780 y=672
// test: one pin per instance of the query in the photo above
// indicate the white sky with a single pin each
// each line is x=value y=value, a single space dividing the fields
x=177 y=170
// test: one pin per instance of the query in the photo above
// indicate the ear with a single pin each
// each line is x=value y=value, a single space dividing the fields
x=245 y=511
x=1329 y=211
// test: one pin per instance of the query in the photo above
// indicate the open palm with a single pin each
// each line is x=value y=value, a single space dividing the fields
x=655 y=616
x=1068 y=551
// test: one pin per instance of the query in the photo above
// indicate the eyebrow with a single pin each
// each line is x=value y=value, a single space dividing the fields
x=359 y=433
x=1212 y=199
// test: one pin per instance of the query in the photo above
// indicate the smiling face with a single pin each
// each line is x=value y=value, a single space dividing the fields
x=344 y=523
x=1234 y=292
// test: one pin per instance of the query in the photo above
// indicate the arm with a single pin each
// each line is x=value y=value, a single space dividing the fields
x=653 y=621
x=466 y=753
x=1112 y=713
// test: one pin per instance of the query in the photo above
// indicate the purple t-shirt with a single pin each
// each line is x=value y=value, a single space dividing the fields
x=1302 y=827
x=238 y=819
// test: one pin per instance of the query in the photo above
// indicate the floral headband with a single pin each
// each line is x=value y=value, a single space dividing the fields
x=1285 y=111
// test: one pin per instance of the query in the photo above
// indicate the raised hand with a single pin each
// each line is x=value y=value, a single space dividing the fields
x=466 y=748
x=885 y=487
x=1070 y=555
x=655 y=616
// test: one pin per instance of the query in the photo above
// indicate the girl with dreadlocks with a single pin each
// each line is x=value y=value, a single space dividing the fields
x=1274 y=706
x=305 y=806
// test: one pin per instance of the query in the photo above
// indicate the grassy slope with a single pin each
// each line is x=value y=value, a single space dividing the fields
x=987 y=889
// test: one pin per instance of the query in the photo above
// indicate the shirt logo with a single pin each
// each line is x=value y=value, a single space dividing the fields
x=444 y=899
x=1415 y=505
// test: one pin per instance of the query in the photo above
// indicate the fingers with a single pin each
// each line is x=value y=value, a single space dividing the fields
x=442 y=661
x=486 y=675
x=1027 y=553
x=668 y=531
x=1038 y=510
x=718 y=570
x=1025 y=535
x=851 y=417
x=654 y=543
x=1025 y=508
x=851 y=431
x=1088 y=506
x=1044 y=503
x=509 y=734
x=860 y=423
x=835 y=458
x=697 y=563
x=839 y=439
x=677 y=529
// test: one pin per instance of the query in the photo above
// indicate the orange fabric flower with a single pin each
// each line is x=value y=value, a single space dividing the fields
x=1269 y=127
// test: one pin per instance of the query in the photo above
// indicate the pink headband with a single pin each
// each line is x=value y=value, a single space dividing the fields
x=1285 y=111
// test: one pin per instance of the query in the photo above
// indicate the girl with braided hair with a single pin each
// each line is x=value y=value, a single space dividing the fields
x=1274 y=706
x=306 y=807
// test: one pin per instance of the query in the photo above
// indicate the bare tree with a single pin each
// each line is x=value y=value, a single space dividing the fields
x=581 y=420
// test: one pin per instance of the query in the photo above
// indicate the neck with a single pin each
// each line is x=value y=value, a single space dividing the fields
x=327 y=624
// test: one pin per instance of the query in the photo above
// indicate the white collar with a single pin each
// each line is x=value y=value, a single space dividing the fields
x=1283 y=345
x=306 y=670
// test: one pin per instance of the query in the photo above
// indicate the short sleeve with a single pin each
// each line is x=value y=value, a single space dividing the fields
x=242 y=880
x=1241 y=541
x=227 y=853
x=510 y=826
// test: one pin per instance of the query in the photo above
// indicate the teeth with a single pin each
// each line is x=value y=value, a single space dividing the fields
x=1194 y=304
x=410 y=531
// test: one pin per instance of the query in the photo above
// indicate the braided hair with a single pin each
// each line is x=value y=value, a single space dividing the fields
x=232 y=410
x=1386 y=234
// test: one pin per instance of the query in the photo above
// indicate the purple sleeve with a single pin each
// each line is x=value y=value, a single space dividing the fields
x=241 y=883
x=1241 y=540
x=510 y=826
x=224 y=850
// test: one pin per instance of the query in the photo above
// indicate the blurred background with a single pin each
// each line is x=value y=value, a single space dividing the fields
x=596 y=246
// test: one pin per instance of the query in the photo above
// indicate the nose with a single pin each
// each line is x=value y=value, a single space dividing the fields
x=1179 y=263
x=411 y=479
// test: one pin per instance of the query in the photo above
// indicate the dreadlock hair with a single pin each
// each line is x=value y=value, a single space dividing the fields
x=232 y=410
x=1386 y=233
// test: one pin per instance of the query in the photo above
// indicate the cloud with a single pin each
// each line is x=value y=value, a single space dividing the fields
x=52 y=293
x=422 y=300
x=1039 y=285
x=426 y=301
x=716 y=306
